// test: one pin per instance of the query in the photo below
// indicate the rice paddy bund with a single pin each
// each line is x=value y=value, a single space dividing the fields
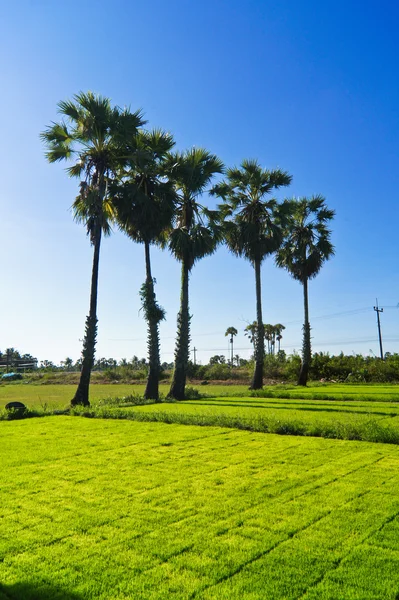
x=114 y=509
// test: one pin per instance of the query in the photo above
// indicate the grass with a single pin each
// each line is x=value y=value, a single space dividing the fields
x=59 y=395
x=95 y=509
x=362 y=428
x=371 y=421
x=318 y=391
x=353 y=412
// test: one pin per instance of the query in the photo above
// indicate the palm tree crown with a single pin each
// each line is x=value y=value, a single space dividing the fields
x=253 y=227
x=307 y=243
x=145 y=199
x=195 y=233
x=91 y=135
x=231 y=331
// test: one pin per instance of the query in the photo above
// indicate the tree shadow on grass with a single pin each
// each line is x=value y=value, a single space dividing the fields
x=26 y=590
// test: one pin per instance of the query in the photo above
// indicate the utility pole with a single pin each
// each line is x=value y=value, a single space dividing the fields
x=195 y=355
x=378 y=311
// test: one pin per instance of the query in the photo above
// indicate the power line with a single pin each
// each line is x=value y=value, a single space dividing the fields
x=334 y=315
x=336 y=343
x=299 y=321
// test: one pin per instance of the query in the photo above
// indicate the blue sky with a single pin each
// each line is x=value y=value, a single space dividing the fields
x=311 y=87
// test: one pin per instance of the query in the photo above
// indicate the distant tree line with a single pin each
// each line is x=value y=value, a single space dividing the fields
x=133 y=177
x=12 y=360
x=278 y=366
x=353 y=368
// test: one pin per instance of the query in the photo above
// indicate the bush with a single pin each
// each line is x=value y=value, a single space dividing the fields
x=112 y=375
x=192 y=394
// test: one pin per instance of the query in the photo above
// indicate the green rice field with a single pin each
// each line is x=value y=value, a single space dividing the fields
x=103 y=509
x=59 y=395
x=143 y=504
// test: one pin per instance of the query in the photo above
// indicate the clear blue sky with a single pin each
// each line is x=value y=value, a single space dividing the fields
x=311 y=87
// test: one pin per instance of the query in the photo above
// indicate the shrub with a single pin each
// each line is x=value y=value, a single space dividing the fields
x=192 y=394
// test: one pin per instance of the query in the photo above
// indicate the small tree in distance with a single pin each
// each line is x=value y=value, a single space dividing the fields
x=231 y=331
x=251 y=331
x=279 y=328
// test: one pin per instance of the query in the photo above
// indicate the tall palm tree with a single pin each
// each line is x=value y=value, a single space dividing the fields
x=195 y=234
x=305 y=249
x=231 y=331
x=90 y=135
x=253 y=228
x=145 y=203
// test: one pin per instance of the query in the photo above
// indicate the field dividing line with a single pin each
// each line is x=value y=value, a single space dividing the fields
x=288 y=538
x=339 y=561
x=335 y=479
x=95 y=451
x=89 y=529
x=239 y=462
x=264 y=553
x=248 y=508
x=294 y=498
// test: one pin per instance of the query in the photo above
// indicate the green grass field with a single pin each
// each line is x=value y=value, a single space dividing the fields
x=59 y=395
x=367 y=413
x=117 y=509
x=111 y=510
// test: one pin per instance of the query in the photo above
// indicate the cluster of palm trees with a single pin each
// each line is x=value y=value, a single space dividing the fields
x=132 y=177
x=272 y=333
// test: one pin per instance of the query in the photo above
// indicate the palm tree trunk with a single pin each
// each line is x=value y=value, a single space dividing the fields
x=306 y=347
x=89 y=342
x=152 y=387
x=177 y=388
x=257 y=380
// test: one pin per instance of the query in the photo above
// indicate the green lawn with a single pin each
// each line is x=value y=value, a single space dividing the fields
x=111 y=510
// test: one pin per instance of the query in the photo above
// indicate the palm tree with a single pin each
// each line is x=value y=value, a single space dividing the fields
x=270 y=334
x=253 y=228
x=67 y=363
x=306 y=247
x=279 y=331
x=251 y=331
x=195 y=234
x=90 y=135
x=145 y=203
x=231 y=331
